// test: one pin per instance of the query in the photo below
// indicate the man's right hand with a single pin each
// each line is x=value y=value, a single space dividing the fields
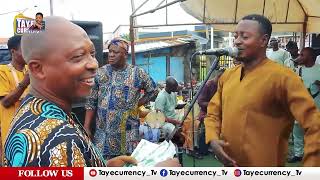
x=222 y=156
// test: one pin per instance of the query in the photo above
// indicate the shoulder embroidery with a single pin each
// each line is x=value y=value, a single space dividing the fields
x=46 y=127
x=58 y=155
x=22 y=148
x=48 y=110
x=77 y=156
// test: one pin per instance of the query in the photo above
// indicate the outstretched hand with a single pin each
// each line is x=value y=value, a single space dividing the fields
x=222 y=156
x=120 y=161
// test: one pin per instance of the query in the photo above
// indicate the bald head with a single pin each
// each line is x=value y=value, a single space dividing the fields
x=171 y=81
x=171 y=84
x=61 y=60
x=39 y=45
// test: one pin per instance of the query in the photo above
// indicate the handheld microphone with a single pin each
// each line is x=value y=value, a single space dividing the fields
x=229 y=51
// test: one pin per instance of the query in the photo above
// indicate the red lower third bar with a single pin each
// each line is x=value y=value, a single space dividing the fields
x=41 y=173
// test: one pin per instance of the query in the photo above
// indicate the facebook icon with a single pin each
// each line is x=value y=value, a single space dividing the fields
x=163 y=172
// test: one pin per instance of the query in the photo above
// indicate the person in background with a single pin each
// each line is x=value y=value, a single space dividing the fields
x=166 y=102
x=310 y=75
x=277 y=54
x=114 y=101
x=14 y=81
x=207 y=93
x=291 y=62
x=318 y=59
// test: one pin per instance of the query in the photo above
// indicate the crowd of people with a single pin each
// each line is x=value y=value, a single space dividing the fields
x=247 y=112
x=305 y=66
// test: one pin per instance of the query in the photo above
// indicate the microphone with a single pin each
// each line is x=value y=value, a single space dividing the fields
x=229 y=51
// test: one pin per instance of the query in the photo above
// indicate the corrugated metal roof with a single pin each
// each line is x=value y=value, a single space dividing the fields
x=155 y=34
x=148 y=46
x=160 y=44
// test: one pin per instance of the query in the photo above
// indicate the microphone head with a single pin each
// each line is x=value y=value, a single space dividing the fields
x=229 y=51
x=233 y=51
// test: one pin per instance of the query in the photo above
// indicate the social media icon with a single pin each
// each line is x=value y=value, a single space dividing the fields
x=92 y=172
x=163 y=172
x=237 y=172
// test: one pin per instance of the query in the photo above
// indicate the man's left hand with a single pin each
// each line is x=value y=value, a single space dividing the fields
x=120 y=161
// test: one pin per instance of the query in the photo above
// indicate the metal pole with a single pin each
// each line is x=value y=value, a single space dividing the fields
x=19 y=11
x=194 y=99
x=51 y=8
x=134 y=12
x=216 y=23
x=192 y=113
x=160 y=3
x=304 y=32
x=133 y=56
x=166 y=12
x=155 y=9
x=212 y=38
x=204 y=11
x=23 y=10
x=134 y=19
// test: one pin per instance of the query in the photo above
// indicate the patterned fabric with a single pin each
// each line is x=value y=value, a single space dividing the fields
x=119 y=42
x=115 y=98
x=44 y=135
